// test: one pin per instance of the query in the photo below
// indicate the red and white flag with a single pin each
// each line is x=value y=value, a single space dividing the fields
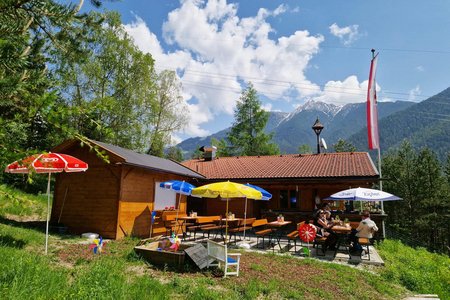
x=372 y=113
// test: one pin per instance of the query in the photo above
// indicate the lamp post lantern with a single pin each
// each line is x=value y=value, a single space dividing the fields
x=317 y=127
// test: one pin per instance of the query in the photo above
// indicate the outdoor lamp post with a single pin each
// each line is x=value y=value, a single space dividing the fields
x=317 y=127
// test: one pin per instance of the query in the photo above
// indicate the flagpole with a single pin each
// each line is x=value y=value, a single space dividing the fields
x=379 y=163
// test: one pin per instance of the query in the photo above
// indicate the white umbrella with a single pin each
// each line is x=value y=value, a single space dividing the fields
x=362 y=194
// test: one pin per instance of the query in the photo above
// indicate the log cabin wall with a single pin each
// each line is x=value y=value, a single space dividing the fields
x=87 y=201
x=137 y=201
x=111 y=199
x=217 y=207
x=304 y=194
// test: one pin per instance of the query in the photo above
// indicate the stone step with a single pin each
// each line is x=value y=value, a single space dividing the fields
x=423 y=297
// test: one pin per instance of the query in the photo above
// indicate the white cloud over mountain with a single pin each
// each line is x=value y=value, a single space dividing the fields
x=414 y=93
x=216 y=52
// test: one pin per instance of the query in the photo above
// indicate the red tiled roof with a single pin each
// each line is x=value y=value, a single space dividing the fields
x=342 y=164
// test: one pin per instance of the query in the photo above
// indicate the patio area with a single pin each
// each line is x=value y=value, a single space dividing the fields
x=286 y=248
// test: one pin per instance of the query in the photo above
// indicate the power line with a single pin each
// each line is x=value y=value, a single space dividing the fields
x=435 y=51
x=307 y=86
x=391 y=49
x=230 y=89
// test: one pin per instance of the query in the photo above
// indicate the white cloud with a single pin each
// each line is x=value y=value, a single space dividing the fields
x=420 y=68
x=217 y=51
x=267 y=106
x=413 y=93
x=342 y=92
x=347 y=34
x=280 y=9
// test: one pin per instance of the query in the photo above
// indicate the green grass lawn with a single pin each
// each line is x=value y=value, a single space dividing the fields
x=72 y=271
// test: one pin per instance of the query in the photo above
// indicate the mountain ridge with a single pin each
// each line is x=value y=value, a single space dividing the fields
x=292 y=130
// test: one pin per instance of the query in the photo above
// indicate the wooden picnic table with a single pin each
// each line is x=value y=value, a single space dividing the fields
x=342 y=233
x=342 y=229
x=278 y=229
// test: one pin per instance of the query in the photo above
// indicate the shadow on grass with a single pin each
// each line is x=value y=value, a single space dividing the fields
x=9 y=241
x=38 y=226
x=35 y=225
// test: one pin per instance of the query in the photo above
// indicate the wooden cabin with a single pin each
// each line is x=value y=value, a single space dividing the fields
x=298 y=182
x=115 y=197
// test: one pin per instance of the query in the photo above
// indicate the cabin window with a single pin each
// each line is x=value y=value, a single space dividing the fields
x=164 y=198
x=288 y=199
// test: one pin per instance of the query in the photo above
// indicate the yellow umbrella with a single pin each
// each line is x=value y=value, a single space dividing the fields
x=226 y=189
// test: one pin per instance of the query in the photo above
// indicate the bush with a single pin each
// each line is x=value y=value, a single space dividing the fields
x=417 y=269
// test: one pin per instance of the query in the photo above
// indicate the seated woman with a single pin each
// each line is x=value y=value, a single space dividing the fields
x=325 y=228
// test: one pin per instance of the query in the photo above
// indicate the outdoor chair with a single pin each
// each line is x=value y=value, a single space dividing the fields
x=219 y=253
x=260 y=230
x=293 y=236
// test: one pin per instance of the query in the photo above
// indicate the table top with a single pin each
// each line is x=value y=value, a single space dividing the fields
x=235 y=219
x=279 y=224
x=187 y=218
x=341 y=229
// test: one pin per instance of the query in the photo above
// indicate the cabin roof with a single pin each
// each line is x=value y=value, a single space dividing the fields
x=301 y=166
x=138 y=159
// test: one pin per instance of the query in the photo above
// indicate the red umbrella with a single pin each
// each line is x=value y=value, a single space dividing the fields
x=47 y=163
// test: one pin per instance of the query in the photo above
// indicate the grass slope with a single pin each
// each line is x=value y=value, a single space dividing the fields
x=72 y=271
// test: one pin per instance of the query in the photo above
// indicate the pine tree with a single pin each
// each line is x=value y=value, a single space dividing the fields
x=247 y=136
x=421 y=217
x=344 y=146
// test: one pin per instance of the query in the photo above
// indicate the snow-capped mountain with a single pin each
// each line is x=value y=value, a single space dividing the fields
x=292 y=130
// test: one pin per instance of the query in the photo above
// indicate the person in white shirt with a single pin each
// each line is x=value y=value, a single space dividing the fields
x=366 y=227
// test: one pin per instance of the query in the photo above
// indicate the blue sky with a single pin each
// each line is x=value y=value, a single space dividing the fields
x=292 y=51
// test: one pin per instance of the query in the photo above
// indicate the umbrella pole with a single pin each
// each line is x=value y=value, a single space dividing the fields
x=179 y=203
x=245 y=216
x=176 y=217
x=226 y=225
x=48 y=213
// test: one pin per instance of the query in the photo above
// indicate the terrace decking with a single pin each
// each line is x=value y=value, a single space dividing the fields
x=340 y=257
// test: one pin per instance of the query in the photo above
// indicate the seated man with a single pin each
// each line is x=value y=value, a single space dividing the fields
x=366 y=229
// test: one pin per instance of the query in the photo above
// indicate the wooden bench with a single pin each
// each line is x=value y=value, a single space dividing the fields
x=364 y=242
x=320 y=240
x=242 y=226
x=260 y=230
x=218 y=254
x=170 y=223
x=217 y=226
x=202 y=223
x=293 y=236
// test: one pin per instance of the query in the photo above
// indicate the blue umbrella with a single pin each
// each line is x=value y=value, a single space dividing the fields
x=180 y=187
x=265 y=196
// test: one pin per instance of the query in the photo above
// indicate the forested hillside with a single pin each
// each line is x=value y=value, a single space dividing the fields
x=292 y=130
x=425 y=124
